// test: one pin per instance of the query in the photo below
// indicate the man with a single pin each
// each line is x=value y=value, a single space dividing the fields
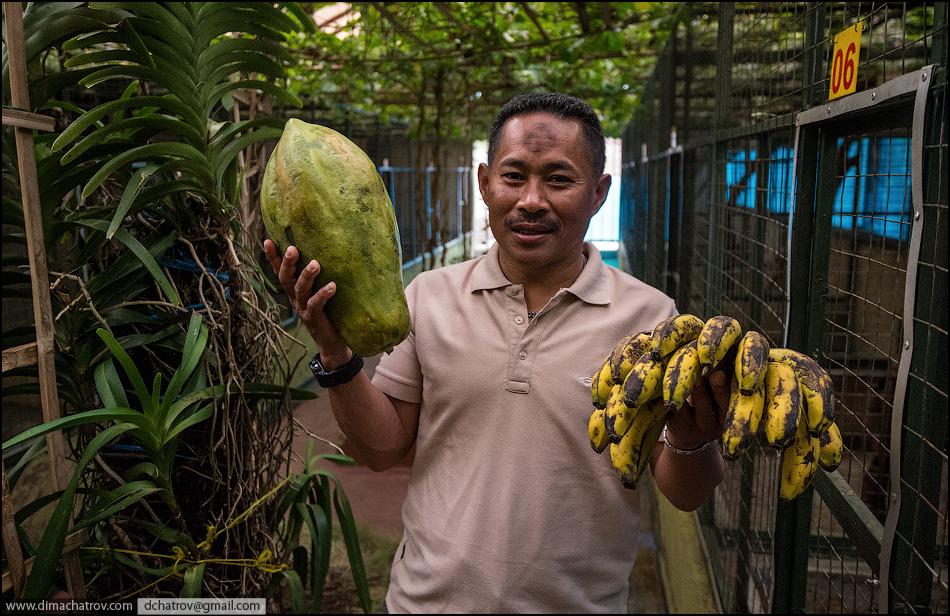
x=508 y=509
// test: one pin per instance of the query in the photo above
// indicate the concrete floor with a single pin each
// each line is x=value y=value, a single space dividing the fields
x=377 y=498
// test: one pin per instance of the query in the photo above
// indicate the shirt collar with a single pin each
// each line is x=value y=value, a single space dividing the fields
x=592 y=286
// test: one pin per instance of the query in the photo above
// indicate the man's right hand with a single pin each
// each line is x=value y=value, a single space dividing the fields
x=309 y=304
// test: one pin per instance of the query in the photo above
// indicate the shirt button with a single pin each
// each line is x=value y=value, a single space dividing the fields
x=523 y=355
x=519 y=319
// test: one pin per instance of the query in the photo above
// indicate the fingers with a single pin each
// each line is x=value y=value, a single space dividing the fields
x=318 y=301
x=721 y=391
x=304 y=284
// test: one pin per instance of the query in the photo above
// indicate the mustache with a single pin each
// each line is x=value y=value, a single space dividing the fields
x=541 y=222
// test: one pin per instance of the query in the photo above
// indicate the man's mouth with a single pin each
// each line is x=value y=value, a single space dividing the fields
x=525 y=228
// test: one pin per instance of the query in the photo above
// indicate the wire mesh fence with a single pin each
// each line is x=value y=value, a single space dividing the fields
x=815 y=234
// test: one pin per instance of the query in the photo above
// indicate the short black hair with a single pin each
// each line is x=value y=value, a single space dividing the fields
x=560 y=105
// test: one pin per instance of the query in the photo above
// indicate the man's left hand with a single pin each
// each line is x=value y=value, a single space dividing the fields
x=700 y=420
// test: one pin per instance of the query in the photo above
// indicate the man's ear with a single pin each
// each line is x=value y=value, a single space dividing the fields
x=483 y=181
x=600 y=192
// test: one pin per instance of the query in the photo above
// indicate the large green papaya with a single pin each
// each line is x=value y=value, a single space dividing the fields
x=322 y=194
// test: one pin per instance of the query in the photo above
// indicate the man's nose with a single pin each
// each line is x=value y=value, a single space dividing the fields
x=532 y=196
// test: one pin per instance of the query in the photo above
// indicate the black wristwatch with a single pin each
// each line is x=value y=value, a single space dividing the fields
x=332 y=378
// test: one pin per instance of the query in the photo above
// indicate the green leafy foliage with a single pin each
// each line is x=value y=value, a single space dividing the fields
x=450 y=65
x=139 y=195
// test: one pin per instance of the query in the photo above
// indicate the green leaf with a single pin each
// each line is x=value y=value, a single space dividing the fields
x=182 y=88
x=196 y=338
x=147 y=469
x=251 y=84
x=93 y=115
x=305 y=18
x=211 y=56
x=99 y=57
x=157 y=390
x=195 y=418
x=166 y=534
x=323 y=544
x=319 y=539
x=190 y=157
x=50 y=551
x=194 y=577
x=152 y=125
x=36 y=447
x=109 y=386
x=128 y=196
x=143 y=255
x=130 y=369
x=352 y=543
x=230 y=151
x=222 y=137
x=119 y=499
x=135 y=42
x=335 y=457
x=76 y=419
x=297 y=604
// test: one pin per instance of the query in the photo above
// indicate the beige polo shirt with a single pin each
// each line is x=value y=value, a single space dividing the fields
x=508 y=508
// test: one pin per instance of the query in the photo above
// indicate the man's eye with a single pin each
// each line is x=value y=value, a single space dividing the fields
x=512 y=175
x=560 y=179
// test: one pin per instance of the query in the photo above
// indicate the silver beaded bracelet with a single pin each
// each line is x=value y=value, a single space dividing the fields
x=684 y=452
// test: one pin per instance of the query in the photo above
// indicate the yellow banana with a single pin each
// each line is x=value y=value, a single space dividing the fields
x=681 y=375
x=751 y=358
x=783 y=404
x=832 y=447
x=742 y=420
x=673 y=333
x=632 y=455
x=616 y=416
x=627 y=353
x=597 y=431
x=816 y=386
x=645 y=381
x=600 y=385
x=799 y=462
x=717 y=338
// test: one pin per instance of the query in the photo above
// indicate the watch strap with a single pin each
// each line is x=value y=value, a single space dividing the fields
x=338 y=376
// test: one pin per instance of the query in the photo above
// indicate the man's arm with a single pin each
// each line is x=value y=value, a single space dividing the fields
x=689 y=480
x=381 y=428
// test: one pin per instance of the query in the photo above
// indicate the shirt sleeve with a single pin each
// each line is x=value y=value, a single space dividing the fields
x=399 y=374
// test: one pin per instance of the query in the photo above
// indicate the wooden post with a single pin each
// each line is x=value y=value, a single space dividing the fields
x=33 y=219
x=42 y=308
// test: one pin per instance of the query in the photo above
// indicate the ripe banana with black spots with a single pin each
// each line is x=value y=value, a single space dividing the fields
x=832 y=447
x=742 y=420
x=682 y=373
x=600 y=385
x=751 y=358
x=816 y=386
x=783 y=403
x=716 y=339
x=674 y=332
x=632 y=454
x=799 y=462
x=645 y=381
x=597 y=431
x=617 y=415
x=627 y=353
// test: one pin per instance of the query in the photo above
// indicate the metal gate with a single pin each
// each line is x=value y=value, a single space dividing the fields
x=824 y=226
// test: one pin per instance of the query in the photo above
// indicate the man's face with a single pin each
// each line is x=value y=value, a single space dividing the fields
x=540 y=189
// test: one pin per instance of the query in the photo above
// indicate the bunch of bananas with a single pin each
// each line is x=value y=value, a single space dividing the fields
x=778 y=395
